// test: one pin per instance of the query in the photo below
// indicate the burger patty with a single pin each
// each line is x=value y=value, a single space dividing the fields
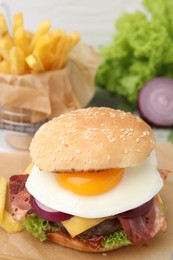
x=105 y=228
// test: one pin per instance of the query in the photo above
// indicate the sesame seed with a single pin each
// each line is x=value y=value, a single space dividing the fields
x=71 y=158
x=112 y=114
x=108 y=157
x=125 y=150
x=111 y=140
x=138 y=119
x=137 y=140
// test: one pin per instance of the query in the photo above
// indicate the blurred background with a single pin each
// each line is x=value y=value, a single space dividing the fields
x=95 y=21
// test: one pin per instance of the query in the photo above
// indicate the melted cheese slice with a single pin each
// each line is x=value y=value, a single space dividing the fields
x=77 y=225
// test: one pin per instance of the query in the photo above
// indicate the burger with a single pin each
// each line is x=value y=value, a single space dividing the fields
x=94 y=184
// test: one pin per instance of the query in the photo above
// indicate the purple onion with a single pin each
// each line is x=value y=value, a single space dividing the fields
x=136 y=212
x=155 y=102
x=48 y=214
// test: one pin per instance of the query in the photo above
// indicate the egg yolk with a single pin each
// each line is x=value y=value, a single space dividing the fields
x=90 y=183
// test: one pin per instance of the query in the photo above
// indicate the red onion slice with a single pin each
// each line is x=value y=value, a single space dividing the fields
x=48 y=214
x=137 y=212
x=155 y=102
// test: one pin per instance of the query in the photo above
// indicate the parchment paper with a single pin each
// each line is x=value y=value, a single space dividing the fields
x=51 y=93
x=22 y=246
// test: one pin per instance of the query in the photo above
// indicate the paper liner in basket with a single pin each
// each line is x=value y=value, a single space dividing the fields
x=49 y=94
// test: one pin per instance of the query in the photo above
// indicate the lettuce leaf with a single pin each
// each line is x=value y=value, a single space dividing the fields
x=116 y=239
x=38 y=227
x=141 y=49
x=170 y=136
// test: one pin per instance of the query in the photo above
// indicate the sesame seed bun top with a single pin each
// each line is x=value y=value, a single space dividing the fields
x=92 y=139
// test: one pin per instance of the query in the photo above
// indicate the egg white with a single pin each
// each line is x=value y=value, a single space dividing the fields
x=138 y=185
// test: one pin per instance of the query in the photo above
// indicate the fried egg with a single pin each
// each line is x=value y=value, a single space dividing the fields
x=135 y=186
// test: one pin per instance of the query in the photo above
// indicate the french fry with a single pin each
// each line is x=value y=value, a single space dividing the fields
x=37 y=61
x=4 y=54
x=42 y=46
x=64 y=48
x=17 y=21
x=21 y=39
x=75 y=37
x=17 y=61
x=3 y=191
x=30 y=37
x=64 y=52
x=3 y=26
x=42 y=29
x=5 y=67
x=26 y=52
x=35 y=64
x=9 y=224
x=50 y=57
x=43 y=50
x=55 y=36
x=6 y=44
x=60 y=51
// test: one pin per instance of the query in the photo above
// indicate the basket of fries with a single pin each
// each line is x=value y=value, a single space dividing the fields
x=42 y=74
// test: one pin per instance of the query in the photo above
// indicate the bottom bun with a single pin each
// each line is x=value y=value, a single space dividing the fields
x=77 y=244
x=157 y=224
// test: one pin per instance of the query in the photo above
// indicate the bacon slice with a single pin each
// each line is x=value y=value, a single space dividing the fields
x=147 y=226
x=20 y=199
x=164 y=173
